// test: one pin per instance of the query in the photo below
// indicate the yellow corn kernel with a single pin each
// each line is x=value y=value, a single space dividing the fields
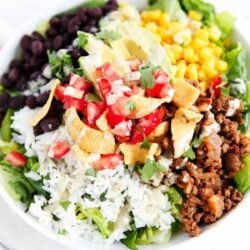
x=166 y=36
x=217 y=51
x=151 y=26
x=201 y=76
x=203 y=86
x=164 y=20
x=198 y=43
x=212 y=74
x=221 y=65
x=186 y=39
x=175 y=27
x=214 y=33
x=192 y=72
x=177 y=50
x=152 y=15
x=189 y=55
x=205 y=53
x=194 y=15
x=194 y=25
x=158 y=37
x=181 y=69
x=208 y=66
x=202 y=34
x=171 y=56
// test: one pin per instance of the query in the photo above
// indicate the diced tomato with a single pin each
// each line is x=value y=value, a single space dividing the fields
x=136 y=90
x=122 y=139
x=113 y=118
x=147 y=124
x=162 y=88
x=60 y=149
x=109 y=161
x=70 y=102
x=106 y=71
x=93 y=111
x=123 y=128
x=79 y=83
x=215 y=86
x=59 y=92
x=104 y=86
x=134 y=64
x=16 y=159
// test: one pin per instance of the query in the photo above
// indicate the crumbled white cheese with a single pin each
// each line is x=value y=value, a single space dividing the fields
x=233 y=106
x=214 y=126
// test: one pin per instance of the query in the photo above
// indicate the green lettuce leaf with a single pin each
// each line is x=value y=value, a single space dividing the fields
x=96 y=216
x=225 y=22
x=7 y=147
x=16 y=184
x=94 y=3
x=172 y=7
x=242 y=178
x=5 y=126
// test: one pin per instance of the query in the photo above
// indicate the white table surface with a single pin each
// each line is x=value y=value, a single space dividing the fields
x=20 y=236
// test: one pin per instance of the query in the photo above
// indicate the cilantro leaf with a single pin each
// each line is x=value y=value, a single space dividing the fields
x=82 y=40
x=91 y=172
x=149 y=169
x=130 y=106
x=108 y=35
x=65 y=204
x=190 y=154
x=147 y=79
x=63 y=232
x=145 y=143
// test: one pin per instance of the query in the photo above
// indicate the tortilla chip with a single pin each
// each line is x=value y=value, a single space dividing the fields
x=102 y=123
x=185 y=94
x=145 y=105
x=159 y=132
x=89 y=140
x=82 y=155
x=182 y=127
x=45 y=109
x=133 y=153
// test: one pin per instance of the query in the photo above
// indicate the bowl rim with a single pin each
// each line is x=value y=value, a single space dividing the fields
x=7 y=53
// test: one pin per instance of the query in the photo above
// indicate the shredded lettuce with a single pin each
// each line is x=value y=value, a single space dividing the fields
x=242 y=178
x=5 y=126
x=16 y=184
x=94 y=3
x=172 y=7
x=225 y=22
x=96 y=216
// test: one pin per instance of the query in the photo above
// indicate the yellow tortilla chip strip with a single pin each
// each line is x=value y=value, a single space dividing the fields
x=159 y=132
x=133 y=153
x=185 y=94
x=182 y=128
x=89 y=140
x=102 y=123
x=45 y=109
x=145 y=105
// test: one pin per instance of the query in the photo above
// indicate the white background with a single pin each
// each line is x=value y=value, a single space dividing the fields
x=20 y=236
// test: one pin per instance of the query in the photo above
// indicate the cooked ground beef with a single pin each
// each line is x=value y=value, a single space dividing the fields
x=206 y=181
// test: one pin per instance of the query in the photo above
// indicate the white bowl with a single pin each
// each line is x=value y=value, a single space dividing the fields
x=217 y=236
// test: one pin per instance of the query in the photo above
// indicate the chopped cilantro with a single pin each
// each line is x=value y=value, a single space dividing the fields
x=149 y=169
x=82 y=40
x=65 y=204
x=145 y=143
x=108 y=35
x=147 y=79
x=225 y=91
x=79 y=71
x=92 y=98
x=63 y=232
x=91 y=172
x=190 y=154
x=130 y=106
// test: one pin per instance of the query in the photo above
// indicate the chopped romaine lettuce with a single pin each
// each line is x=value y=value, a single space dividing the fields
x=205 y=9
x=94 y=3
x=96 y=216
x=16 y=184
x=242 y=178
x=172 y=7
x=33 y=164
x=225 y=22
x=5 y=126
x=7 y=147
x=82 y=39
x=42 y=27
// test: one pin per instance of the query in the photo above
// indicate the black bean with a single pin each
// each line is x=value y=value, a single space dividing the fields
x=42 y=98
x=25 y=55
x=35 y=75
x=64 y=22
x=37 y=36
x=31 y=102
x=74 y=25
x=21 y=84
x=55 y=22
x=91 y=23
x=16 y=63
x=95 y=12
x=27 y=67
x=14 y=75
x=37 y=130
x=66 y=38
x=36 y=62
x=81 y=13
x=58 y=42
x=37 y=48
x=25 y=42
x=75 y=53
x=17 y=102
x=5 y=80
x=52 y=32
x=47 y=45
x=50 y=124
x=87 y=28
x=4 y=102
